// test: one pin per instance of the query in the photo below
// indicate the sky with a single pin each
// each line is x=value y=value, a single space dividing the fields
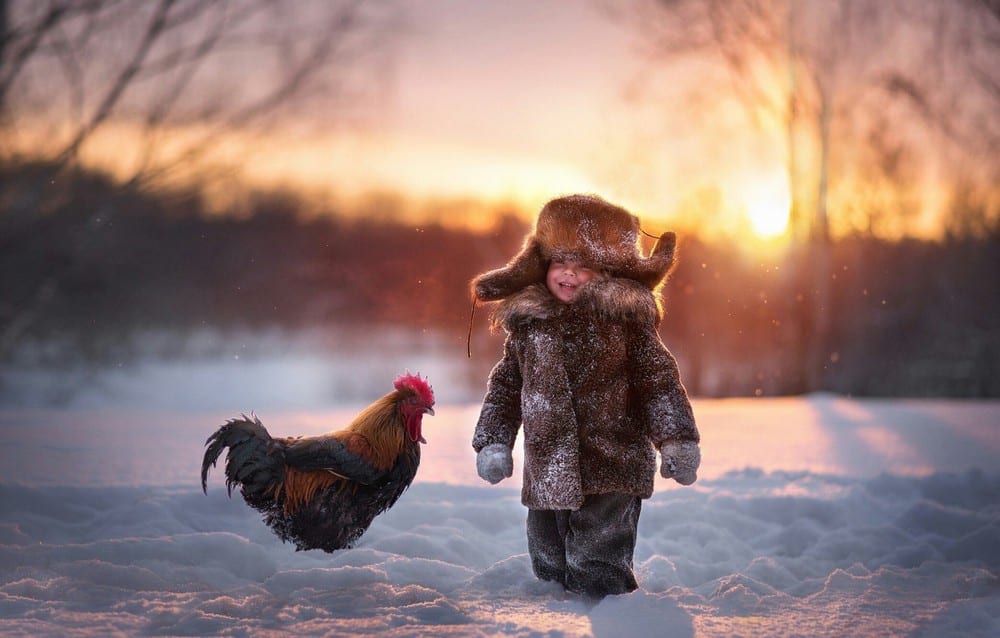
x=523 y=101
x=518 y=102
x=506 y=100
x=514 y=103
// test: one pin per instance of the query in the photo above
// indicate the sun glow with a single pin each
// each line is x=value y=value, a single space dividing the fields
x=767 y=203
x=349 y=170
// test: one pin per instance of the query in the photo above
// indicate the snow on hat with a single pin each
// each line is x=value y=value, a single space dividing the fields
x=585 y=228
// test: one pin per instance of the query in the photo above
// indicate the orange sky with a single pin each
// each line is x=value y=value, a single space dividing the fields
x=505 y=100
x=524 y=100
x=518 y=101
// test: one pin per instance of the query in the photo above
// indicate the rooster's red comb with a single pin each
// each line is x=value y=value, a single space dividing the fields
x=417 y=384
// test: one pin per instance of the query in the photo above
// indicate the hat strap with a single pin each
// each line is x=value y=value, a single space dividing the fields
x=645 y=233
x=472 y=316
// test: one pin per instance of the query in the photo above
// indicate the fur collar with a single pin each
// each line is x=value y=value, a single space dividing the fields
x=609 y=299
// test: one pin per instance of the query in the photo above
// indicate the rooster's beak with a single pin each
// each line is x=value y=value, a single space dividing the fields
x=429 y=411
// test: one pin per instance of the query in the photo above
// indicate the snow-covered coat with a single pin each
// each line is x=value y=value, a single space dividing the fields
x=594 y=387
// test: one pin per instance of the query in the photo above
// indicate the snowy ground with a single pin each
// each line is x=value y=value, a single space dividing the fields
x=813 y=516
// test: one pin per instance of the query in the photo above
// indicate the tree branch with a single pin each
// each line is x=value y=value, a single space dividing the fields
x=121 y=84
x=34 y=37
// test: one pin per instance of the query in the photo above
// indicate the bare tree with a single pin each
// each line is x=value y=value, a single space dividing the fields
x=72 y=67
x=181 y=75
x=826 y=71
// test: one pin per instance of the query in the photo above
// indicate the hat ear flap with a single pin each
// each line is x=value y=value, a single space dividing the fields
x=527 y=267
x=655 y=268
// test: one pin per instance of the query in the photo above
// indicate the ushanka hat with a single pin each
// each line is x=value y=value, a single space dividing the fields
x=585 y=228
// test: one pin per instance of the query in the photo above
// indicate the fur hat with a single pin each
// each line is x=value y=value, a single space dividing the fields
x=586 y=228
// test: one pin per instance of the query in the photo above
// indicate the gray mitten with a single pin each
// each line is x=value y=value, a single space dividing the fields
x=680 y=461
x=494 y=463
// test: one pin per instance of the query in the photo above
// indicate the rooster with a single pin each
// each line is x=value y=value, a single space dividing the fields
x=322 y=492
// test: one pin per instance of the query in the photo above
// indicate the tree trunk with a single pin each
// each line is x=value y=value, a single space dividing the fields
x=4 y=22
x=819 y=241
x=791 y=121
x=799 y=361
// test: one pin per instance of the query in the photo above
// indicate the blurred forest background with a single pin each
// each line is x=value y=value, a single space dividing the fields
x=125 y=209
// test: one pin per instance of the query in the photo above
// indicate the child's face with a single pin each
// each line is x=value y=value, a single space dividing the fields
x=565 y=278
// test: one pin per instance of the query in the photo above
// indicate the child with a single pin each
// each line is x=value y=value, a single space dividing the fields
x=586 y=374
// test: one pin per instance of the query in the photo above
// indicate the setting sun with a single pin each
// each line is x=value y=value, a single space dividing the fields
x=767 y=203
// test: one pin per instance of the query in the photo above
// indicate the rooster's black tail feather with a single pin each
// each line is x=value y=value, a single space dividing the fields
x=254 y=462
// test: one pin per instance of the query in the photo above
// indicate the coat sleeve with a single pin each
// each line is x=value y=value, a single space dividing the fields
x=500 y=418
x=662 y=401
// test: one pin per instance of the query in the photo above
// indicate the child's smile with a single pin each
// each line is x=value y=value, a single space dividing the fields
x=565 y=278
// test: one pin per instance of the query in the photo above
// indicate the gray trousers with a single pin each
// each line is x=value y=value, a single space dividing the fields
x=588 y=550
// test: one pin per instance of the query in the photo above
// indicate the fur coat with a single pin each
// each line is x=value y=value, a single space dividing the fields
x=593 y=386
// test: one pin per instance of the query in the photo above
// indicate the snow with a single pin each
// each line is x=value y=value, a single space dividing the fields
x=819 y=516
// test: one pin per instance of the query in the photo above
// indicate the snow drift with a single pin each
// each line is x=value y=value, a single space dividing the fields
x=104 y=530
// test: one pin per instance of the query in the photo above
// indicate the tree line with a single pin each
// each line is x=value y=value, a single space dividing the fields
x=93 y=268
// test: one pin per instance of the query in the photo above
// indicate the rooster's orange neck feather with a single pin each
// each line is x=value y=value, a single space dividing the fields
x=381 y=424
